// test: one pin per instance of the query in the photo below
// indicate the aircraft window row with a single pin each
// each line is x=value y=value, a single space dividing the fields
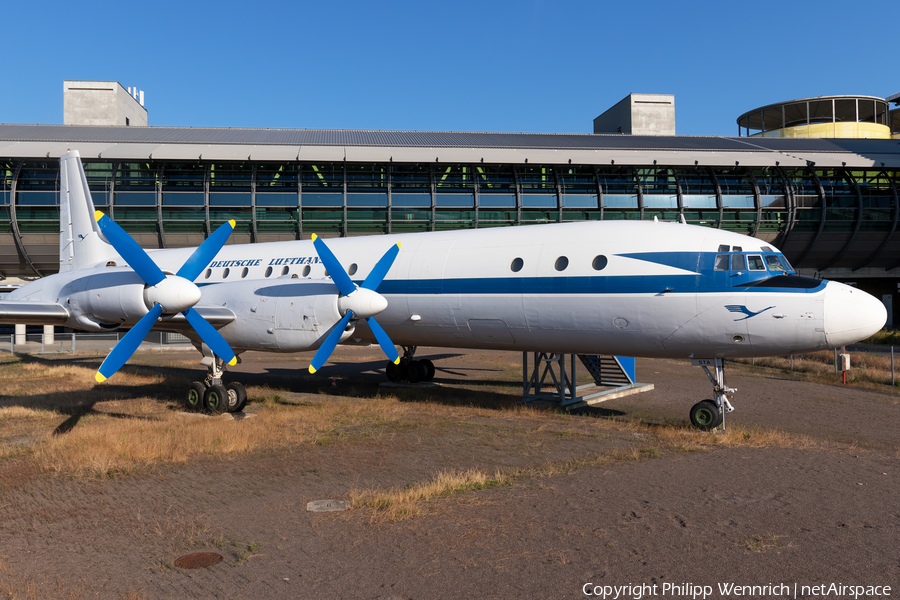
x=599 y=263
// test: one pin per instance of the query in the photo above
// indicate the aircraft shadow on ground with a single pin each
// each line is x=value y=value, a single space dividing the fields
x=354 y=379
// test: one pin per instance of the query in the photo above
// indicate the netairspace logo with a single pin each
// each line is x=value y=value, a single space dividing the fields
x=729 y=590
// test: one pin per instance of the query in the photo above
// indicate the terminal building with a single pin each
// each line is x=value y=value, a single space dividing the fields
x=819 y=178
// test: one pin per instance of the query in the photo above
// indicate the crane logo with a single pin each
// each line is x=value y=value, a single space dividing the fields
x=741 y=309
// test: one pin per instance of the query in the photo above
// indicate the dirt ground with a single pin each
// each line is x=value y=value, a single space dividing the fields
x=823 y=510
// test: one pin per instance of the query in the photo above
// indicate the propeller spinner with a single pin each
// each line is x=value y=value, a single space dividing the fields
x=362 y=302
x=164 y=294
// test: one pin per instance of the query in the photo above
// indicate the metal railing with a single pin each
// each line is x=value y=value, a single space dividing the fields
x=70 y=343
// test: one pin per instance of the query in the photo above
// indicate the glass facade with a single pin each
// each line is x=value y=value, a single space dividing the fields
x=290 y=200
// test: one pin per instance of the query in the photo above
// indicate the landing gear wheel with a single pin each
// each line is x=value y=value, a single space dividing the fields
x=216 y=399
x=237 y=397
x=415 y=371
x=394 y=372
x=706 y=415
x=193 y=400
x=429 y=369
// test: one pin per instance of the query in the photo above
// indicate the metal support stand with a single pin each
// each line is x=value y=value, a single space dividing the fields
x=550 y=380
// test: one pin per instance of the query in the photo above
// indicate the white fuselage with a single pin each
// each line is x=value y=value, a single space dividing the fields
x=627 y=288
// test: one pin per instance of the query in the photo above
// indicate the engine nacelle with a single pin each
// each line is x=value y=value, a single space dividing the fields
x=284 y=315
x=104 y=299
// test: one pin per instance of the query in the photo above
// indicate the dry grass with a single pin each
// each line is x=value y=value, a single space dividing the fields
x=111 y=445
x=653 y=441
x=867 y=369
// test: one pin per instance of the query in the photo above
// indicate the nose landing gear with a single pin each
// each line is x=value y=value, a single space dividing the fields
x=709 y=414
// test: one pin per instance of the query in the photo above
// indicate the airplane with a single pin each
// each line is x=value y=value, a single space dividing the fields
x=628 y=288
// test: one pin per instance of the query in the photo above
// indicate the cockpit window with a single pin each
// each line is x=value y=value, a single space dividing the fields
x=721 y=262
x=737 y=262
x=787 y=263
x=774 y=264
x=756 y=262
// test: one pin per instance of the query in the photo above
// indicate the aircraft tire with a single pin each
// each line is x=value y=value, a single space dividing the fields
x=705 y=415
x=237 y=397
x=216 y=399
x=429 y=369
x=394 y=372
x=193 y=399
x=415 y=371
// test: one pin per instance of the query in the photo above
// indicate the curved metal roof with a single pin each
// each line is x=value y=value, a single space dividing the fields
x=338 y=144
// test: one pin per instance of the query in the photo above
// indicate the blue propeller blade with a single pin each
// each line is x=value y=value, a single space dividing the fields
x=128 y=249
x=122 y=351
x=210 y=336
x=384 y=341
x=204 y=254
x=374 y=278
x=330 y=343
x=334 y=268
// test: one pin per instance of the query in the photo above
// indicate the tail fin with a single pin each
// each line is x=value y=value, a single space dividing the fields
x=81 y=244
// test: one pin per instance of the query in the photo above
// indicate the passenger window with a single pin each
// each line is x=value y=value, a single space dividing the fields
x=225 y=273
x=756 y=262
x=268 y=271
x=516 y=265
x=284 y=271
x=561 y=263
x=737 y=262
x=774 y=264
x=721 y=262
x=244 y=272
x=306 y=271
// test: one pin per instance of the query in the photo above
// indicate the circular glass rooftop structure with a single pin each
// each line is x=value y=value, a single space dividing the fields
x=821 y=117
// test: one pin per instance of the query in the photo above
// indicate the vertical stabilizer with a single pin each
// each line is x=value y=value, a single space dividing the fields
x=80 y=242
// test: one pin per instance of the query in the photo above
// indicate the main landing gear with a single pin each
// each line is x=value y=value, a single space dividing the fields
x=409 y=370
x=211 y=395
x=709 y=414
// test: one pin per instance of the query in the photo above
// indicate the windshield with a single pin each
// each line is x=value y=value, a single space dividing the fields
x=774 y=264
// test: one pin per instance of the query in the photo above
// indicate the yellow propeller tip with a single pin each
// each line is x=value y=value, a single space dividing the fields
x=397 y=362
x=99 y=376
x=314 y=236
x=232 y=223
x=233 y=361
x=398 y=245
x=98 y=214
x=312 y=369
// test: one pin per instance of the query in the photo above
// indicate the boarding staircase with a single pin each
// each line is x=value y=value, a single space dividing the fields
x=551 y=380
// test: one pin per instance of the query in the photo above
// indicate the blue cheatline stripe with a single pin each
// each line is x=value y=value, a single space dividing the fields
x=628 y=284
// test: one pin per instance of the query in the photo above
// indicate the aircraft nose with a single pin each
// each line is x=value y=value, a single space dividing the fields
x=851 y=314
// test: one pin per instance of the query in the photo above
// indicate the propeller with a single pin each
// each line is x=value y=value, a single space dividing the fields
x=355 y=302
x=164 y=294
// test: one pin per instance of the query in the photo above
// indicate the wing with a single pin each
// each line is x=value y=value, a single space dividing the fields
x=33 y=313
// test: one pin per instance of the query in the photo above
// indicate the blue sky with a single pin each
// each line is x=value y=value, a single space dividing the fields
x=536 y=66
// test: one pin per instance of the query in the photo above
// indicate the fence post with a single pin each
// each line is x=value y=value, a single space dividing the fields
x=73 y=343
x=835 y=363
x=42 y=343
x=12 y=344
x=792 y=363
x=893 y=383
